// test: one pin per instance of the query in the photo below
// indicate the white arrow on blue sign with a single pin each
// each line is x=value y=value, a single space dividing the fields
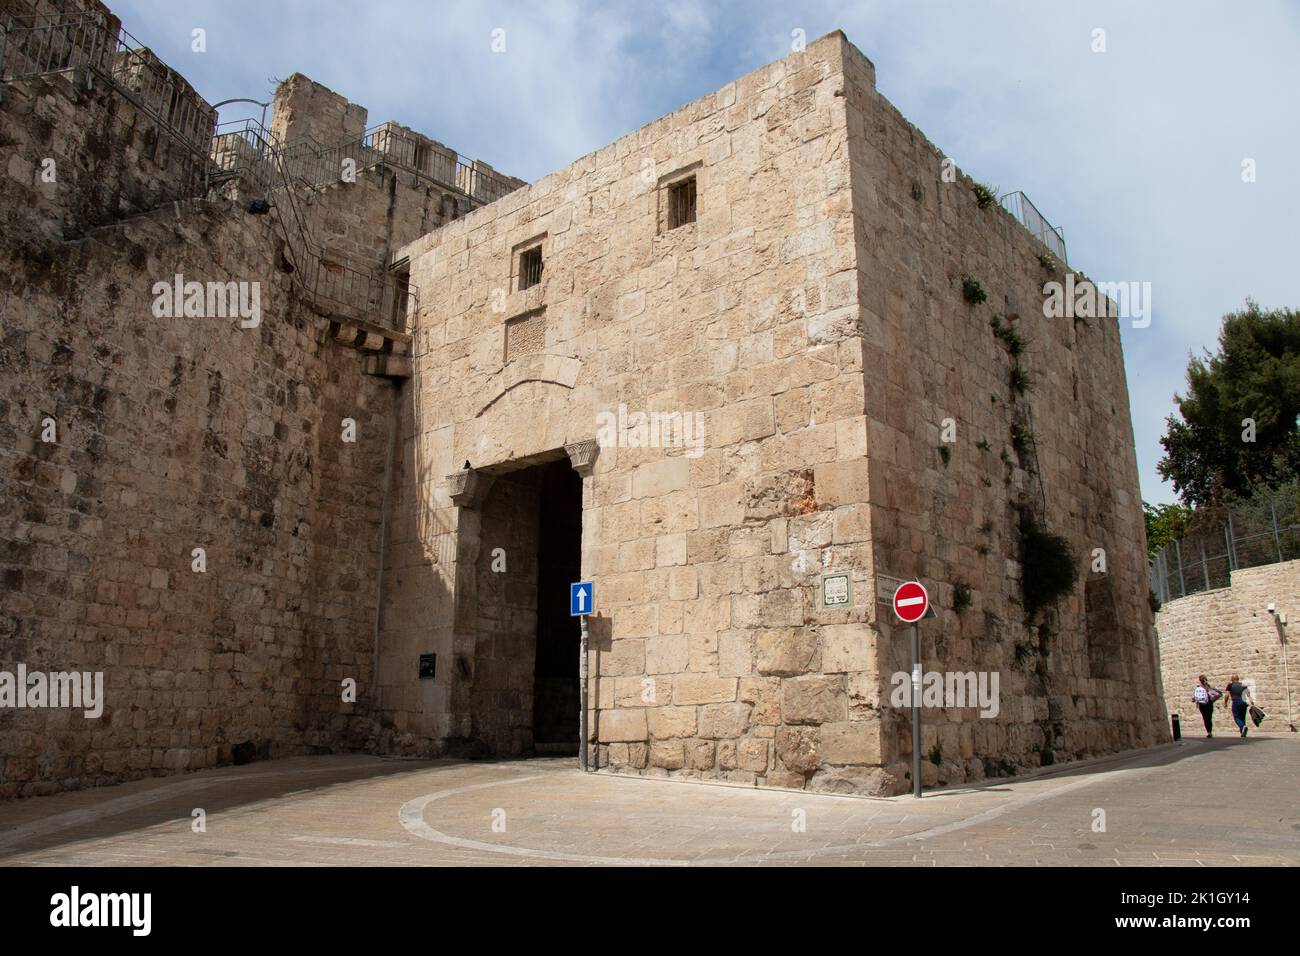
x=582 y=597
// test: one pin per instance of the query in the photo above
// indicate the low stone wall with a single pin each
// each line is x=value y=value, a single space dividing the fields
x=1229 y=630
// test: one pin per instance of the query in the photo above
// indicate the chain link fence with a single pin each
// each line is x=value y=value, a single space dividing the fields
x=1248 y=535
x=1027 y=214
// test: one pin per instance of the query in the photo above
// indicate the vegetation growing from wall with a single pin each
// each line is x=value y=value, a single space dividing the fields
x=961 y=597
x=1048 y=567
x=972 y=291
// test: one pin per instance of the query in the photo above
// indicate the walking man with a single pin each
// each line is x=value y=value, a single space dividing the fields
x=1239 y=696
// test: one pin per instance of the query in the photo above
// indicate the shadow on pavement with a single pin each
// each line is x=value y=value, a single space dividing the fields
x=33 y=824
x=1161 y=755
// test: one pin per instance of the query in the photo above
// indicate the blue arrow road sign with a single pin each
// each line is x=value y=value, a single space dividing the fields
x=582 y=595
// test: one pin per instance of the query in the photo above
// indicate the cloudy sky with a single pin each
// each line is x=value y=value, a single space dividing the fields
x=1136 y=152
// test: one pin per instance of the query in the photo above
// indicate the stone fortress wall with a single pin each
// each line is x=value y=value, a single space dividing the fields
x=812 y=314
x=172 y=434
x=1079 y=680
x=175 y=433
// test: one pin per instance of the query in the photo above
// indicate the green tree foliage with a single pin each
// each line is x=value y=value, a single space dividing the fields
x=1165 y=523
x=1254 y=375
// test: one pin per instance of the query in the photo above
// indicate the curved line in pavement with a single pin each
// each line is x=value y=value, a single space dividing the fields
x=411 y=816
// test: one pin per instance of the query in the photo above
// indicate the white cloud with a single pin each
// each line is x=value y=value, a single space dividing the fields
x=1135 y=152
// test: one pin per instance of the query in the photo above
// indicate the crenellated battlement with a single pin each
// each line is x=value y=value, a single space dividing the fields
x=316 y=167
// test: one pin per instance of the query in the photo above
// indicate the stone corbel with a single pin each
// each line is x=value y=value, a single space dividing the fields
x=582 y=455
x=468 y=487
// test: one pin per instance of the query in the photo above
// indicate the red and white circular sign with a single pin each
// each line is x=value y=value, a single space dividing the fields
x=910 y=601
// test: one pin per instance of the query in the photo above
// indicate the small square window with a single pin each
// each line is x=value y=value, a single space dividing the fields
x=530 y=267
x=681 y=203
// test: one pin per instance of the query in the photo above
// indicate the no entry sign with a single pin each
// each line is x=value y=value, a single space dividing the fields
x=910 y=601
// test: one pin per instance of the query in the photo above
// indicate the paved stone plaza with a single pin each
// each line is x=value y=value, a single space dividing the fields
x=1198 y=803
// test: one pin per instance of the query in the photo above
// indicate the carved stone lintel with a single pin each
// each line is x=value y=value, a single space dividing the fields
x=467 y=487
x=582 y=455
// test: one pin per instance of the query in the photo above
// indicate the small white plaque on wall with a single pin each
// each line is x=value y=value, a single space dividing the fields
x=837 y=589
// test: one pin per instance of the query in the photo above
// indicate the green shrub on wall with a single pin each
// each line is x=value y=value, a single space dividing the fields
x=985 y=196
x=1048 y=568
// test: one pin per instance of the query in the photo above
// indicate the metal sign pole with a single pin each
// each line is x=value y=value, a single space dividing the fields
x=916 y=714
x=582 y=673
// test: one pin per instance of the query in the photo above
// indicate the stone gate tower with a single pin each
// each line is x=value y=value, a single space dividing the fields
x=761 y=342
x=783 y=263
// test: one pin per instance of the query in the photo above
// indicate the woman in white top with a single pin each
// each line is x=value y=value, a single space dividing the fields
x=1204 y=695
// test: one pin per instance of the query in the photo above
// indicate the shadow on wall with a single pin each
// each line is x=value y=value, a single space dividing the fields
x=417 y=716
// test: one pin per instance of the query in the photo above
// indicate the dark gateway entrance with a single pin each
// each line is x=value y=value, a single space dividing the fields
x=556 y=695
x=525 y=681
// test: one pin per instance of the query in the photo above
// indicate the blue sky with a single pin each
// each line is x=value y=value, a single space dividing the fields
x=1136 y=152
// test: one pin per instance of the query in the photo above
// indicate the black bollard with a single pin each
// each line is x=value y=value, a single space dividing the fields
x=1178 y=733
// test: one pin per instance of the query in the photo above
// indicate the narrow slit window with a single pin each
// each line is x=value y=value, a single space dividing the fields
x=681 y=203
x=530 y=267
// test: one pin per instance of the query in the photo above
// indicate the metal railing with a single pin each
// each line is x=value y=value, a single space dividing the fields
x=246 y=159
x=161 y=93
x=36 y=45
x=1249 y=535
x=1027 y=214
x=388 y=145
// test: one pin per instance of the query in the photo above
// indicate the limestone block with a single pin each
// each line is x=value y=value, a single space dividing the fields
x=851 y=742
x=667 y=754
x=670 y=549
x=841 y=483
x=703 y=689
x=797 y=748
x=745 y=421
x=724 y=721
x=846 y=648
x=813 y=699
x=625 y=658
x=683 y=584
x=671 y=722
x=661 y=477
x=700 y=754
x=752 y=755
x=787 y=651
x=666 y=654
x=735 y=653
x=623 y=724
x=765 y=694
